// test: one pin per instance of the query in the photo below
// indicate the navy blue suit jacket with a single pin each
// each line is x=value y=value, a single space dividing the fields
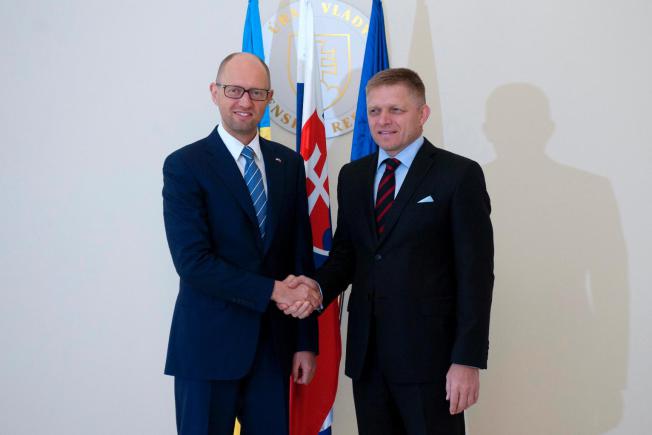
x=226 y=269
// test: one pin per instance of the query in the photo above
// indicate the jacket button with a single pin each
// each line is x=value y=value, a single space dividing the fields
x=378 y=257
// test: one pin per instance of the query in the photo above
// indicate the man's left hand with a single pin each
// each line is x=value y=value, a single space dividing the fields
x=304 y=365
x=462 y=387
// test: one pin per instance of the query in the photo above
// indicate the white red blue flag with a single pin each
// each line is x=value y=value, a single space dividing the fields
x=311 y=405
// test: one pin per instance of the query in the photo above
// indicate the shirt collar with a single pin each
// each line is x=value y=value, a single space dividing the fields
x=406 y=156
x=235 y=146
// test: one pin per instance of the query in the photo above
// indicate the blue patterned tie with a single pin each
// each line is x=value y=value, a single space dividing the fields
x=254 y=180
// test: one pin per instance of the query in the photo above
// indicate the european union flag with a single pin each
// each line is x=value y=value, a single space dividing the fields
x=375 y=59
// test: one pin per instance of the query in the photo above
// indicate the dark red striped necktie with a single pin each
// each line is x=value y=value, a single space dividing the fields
x=385 y=194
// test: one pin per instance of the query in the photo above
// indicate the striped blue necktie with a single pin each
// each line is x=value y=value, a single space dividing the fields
x=254 y=180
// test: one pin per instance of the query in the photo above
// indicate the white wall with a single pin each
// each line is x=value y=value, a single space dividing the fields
x=95 y=94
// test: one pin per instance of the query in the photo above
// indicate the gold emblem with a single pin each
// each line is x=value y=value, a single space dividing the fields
x=340 y=38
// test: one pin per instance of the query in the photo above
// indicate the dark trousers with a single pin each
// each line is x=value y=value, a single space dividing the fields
x=259 y=400
x=383 y=407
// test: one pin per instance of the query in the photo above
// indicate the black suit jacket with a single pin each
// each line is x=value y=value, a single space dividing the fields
x=226 y=269
x=426 y=284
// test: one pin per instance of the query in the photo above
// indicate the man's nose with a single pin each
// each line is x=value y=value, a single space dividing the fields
x=246 y=100
x=384 y=118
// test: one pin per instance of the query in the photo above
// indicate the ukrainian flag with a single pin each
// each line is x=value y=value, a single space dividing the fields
x=252 y=42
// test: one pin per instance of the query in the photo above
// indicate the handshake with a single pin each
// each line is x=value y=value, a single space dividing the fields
x=297 y=296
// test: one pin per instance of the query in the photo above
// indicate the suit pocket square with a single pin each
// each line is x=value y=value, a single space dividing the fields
x=425 y=200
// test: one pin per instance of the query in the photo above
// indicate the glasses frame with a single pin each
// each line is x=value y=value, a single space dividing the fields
x=248 y=91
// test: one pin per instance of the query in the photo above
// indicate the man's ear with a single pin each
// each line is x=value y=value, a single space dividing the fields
x=214 y=89
x=425 y=114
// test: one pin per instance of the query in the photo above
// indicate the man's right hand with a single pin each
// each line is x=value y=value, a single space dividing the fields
x=297 y=296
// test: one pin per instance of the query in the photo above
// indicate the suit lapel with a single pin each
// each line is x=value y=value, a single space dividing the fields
x=415 y=175
x=275 y=174
x=367 y=183
x=227 y=169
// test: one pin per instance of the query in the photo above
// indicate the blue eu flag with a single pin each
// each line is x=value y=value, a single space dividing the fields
x=375 y=59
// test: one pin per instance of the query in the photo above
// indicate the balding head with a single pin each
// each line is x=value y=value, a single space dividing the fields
x=246 y=57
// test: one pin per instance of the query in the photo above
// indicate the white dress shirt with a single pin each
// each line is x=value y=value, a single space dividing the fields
x=406 y=156
x=235 y=148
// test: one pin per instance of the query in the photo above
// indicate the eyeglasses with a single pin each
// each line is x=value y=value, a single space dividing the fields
x=236 y=92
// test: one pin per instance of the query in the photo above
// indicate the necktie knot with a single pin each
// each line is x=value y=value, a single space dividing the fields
x=247 y=153
x=392 y=164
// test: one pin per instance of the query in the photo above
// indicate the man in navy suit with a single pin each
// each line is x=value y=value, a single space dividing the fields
x=415 y=239
x=236 y=219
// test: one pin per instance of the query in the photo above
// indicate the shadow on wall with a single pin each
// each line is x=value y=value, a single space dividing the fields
x=559 y=333
x=422 y=60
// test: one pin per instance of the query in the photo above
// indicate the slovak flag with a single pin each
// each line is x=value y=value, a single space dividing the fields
x=311 y=405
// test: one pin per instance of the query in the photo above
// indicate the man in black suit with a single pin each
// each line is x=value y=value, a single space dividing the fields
x=236 y=219
x=415 y=239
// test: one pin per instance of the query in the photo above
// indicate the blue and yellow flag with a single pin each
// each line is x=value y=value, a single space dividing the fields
x=252 y=42
x=375 y=60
